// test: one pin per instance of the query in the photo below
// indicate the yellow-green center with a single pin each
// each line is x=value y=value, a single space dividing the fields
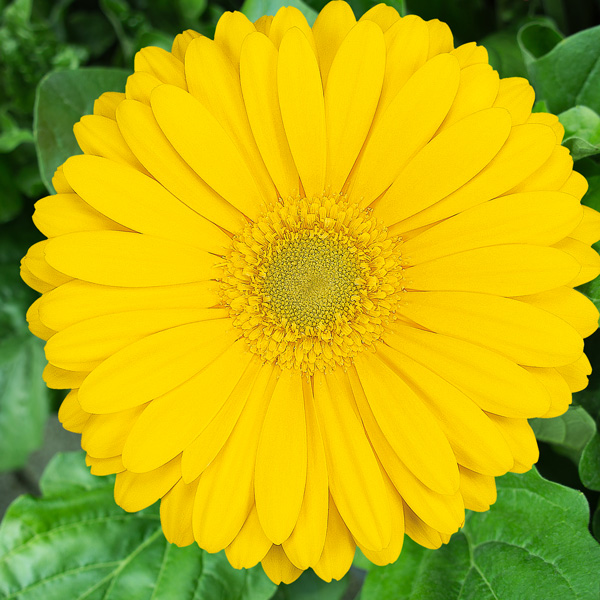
x=310 y=280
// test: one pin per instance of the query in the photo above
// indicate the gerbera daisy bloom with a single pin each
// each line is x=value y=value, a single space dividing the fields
x=307 y=285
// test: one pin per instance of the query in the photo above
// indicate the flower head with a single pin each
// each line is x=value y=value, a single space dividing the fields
x=307 y=285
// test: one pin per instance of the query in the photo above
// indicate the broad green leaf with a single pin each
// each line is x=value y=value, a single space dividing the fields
x=569 y=74
x=533 y=543
x=254 y=9
x=310 y=587
x=76 y=543
x=62 y=98
x=569 y=433
x=582 y=131
x=589 y=465
x=537 y=38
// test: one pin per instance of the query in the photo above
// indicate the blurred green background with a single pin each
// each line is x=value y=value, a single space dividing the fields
x=56 y=57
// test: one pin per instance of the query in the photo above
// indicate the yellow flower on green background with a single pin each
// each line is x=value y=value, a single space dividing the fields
x=307 y=285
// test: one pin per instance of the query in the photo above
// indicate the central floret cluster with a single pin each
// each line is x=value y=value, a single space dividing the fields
x=313 y=282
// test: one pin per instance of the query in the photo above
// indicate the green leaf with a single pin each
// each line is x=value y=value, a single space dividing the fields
x=75 y=542
x=254 y=9
x=537 y=38
x=62 y=98
x=569 y=75
x=311 y=587
x=582 y=131
x=504 y=54
x=533 y=543
x=569 y=433
x=589 y=465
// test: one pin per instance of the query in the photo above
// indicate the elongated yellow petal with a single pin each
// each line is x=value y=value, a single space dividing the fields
x=104 y=466
x=470 y=54
x=440 y=38
x=286 y=19
x=278 y=566
x=493 y=382
x=509 y=270
x=472 y=436
x=478 y=491
x=36 y=262
x=459 y=154
x=407 y=423
x=339 y=548
x=576 y=373
x=521 y=440
x=106 y=104
x=330 y=28
x=176 y=509
x=149 y=208
x=35 y=324
x=250 y=545
x=128 y=259
x=419 y=531
x=382 y=14
x=155 y=365
x=78 y=300
x=232 y=29
x=541 y=218
x=182 y=42
x=70 y=413
x=351 y=97
x=517 y=96
x=587 y=258
x=134 y=492
x=557 y=388
x=588 y=230
x=354 y=477
x=305 y=544
x=162 y=64
x=576 y=185
x=517 y=330
x=226 y=492
x=552 y=175
x=140 y=86
x=303 y=109
x=150 y=145
x=206 y=147
x=57 y=378
x=552 y=122
x=258 y=73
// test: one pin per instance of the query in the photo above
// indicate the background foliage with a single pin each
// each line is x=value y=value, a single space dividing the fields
x=56 y=57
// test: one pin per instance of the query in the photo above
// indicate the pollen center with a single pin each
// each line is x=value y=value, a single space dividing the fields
x=313 y=282
x=312 y=279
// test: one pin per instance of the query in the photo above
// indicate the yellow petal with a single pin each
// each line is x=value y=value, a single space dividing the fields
x=258 y=73
x=517 y=96
x=526 y=149
x=105 y=435
x=34 y=282
x=78 y=300
x=278 y=567
x=339 y=548
x=162 y=64
x=107 y=103
x=70 y=413
x=129 y=259
x=585 y=256
x=409 y=122
x=550 y=120
x=85 y=345
x=419 y=531
x=134 y=492
x=36 y=262
x=470 y=54
x=440 y=38
x=58 y=379
x=478 y=491
x=557 y=388
x=382 y=14
x=232 y=29
x=552 y=175
x=250 y=545
x=177 y=417
x=155 y=365
x=104 y=466
x=541 y=218
x=302 y=108
x=473 y=438
x=508 y=270
x=355 y=480
x=517 y=330
x=305 y=544
x=67 y=213
x=59 y=182
x=457 y=154
x=570 y=305
x=331 y=27
x=100 y=136
x=576 y=373
x=148 y=142
x=208 y=443
x=521 y=440
x=286 y=19
x=407 y=424
x=280 y=477
x=149 y=208
x=176 y=509
x=443 y=511
x=140 y=85
x=214 y=81
x=226 y=492
x=588 y=230
x=35 y=324
x=493 y=382
x=576 y=185
x=206 y=147
x=351 y=97
x=477 y=91
x=263 y=25
x=182 y=42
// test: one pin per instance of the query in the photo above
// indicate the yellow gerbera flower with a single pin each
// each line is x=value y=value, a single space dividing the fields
x=308 y=284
